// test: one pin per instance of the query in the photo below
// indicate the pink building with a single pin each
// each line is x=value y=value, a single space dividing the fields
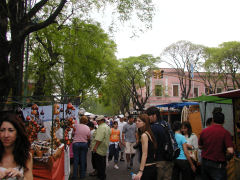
x=167 y=89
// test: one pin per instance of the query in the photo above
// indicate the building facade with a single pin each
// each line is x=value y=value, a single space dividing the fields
x=166 y=89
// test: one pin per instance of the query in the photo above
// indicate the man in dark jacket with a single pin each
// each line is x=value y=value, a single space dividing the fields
x=165 y=167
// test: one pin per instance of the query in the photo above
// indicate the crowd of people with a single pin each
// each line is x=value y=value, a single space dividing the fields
x=110 y=138
x=205 y=156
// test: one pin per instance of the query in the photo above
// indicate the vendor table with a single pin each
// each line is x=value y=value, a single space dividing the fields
x=55 y=169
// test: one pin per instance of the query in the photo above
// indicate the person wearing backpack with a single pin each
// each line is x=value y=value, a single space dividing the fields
x=164 y=164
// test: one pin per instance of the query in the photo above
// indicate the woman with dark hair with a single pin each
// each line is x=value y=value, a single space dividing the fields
x=183 y=165
x=81 y=136
x=192 y=140
x=15 y=158
x=147 y=147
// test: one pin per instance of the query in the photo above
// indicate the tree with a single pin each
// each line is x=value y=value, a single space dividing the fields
x=211 y=74
x=184 y=57
x=229 y=53
x=82 y=51
x=222 y=66
x=136 y=73
x=89 y=56
x=113 y=92
x=18 y=20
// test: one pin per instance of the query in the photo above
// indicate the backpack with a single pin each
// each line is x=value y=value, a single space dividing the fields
x=171 y=149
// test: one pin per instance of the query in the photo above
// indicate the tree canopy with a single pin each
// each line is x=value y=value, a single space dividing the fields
x=184 y=57
x=130 y=82
x=19 y=18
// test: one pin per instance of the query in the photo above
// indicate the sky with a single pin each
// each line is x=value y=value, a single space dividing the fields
x=204 y=22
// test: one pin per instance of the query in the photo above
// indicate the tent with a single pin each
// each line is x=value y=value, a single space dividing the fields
x=208 y=103
x=234 y=164
x=177 y=104
x=214 y=99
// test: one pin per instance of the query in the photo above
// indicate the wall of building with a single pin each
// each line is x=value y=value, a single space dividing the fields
x=169 y=80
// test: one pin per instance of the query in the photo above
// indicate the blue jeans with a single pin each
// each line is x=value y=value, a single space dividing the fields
x=113 y=152
x=80 y=154
x=213 y=170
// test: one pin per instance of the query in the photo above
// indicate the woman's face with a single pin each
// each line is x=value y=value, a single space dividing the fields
x=184 y=130
x=139 y=123
x=8 y=134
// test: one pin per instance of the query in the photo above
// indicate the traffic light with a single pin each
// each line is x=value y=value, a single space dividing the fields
x=161 y=74
x=155 y=75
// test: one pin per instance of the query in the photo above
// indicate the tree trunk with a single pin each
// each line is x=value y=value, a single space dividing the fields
x=11 y=51
x=16 y=67
x=4 y=76
x=40 y=84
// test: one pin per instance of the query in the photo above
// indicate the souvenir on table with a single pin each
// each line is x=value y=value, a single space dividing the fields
x=45 y=150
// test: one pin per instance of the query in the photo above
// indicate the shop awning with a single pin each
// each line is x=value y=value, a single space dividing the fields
x=177 y=104
x=212 y=99
x=229 y=94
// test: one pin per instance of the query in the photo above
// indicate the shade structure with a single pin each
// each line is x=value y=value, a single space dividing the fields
x=177 y=104
x=211 y=98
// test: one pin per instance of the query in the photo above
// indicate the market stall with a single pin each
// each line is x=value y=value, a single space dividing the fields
x=183 y=111
x=50 y=133
x=234 y=165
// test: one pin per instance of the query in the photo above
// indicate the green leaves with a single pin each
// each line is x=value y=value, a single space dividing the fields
x=225 y=61
x=130 y=80
x=80 y=53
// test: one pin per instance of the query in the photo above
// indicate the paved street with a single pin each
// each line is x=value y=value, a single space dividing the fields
x=113 y=174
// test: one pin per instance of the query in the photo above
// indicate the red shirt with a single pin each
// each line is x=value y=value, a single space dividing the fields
x=214 y=141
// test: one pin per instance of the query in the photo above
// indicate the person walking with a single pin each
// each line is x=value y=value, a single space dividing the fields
x=99 y=146
x=129 y=139
x=164 y=167
x=183 y=165
x=217 y=146
x=15 y=158
x=81 y=136
x=114 y=144
x=121 y=123
x=147 y=147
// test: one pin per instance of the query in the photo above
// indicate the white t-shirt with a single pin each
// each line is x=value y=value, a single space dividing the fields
x=120 y=127
x=92 y=131
x=192 y=140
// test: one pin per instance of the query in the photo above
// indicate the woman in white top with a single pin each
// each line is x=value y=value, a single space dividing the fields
x=192 y=144
x=192 y=140
x=15 y=158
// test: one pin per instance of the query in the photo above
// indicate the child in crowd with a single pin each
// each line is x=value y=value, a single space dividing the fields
x=114 y=144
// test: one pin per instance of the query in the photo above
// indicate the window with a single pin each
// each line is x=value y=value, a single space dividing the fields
x=219 y=90
x=158 y=90
x=175 y=91
x=195 y=92
x=207 y=90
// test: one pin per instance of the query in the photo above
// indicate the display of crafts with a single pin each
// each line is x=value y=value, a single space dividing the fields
x=65 y=121
x=42 y=150
x=34 y=123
